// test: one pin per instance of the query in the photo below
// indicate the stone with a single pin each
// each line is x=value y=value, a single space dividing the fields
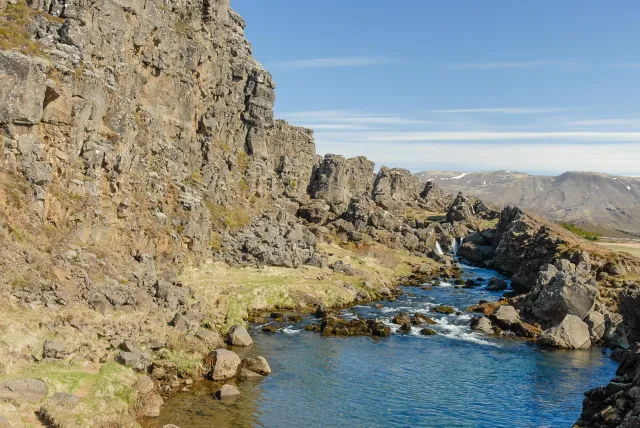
x=401 y=318
x=222 y=364
x=428 y=332
x=179 y=322
x=560 y=291
x=505 y=316
x=497 y=284
x=571 y=333
x=239 y=336
x=249 y=375
x=257 y=365
x=22 y=88
x=23 y=390
x=144 y=385
x=226 y=391
x=482 y=325
x=130 y=346
x=442 y=309
x=62 y=399
x=321 y=312
x=211 y=338
x=420 y=319
x=597 y=325
x=53 y=349
x=136 y=361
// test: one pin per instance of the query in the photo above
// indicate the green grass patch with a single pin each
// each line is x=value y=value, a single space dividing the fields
x=591 y=236
x=14 y=28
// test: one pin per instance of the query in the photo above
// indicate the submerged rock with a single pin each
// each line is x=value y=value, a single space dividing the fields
x=226 y=391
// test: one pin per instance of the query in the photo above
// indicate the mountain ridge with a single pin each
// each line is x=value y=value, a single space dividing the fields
x=581 y=197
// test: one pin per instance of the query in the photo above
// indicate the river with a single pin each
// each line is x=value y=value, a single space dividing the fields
x=455 y=378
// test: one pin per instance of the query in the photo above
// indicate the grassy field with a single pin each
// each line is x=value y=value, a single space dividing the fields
x=632 y=248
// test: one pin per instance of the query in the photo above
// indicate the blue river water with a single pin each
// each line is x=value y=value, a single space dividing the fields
x=456 y=378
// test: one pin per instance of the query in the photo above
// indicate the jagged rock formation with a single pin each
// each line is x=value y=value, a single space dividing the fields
x=618 y=403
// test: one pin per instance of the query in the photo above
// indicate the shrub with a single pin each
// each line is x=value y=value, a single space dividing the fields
x=591 y=236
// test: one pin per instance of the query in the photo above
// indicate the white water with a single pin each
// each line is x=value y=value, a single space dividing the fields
x=439 y=249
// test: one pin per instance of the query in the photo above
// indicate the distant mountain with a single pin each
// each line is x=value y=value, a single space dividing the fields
x=587 y=198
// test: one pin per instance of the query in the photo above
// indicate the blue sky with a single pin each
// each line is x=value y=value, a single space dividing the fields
x=539 y=87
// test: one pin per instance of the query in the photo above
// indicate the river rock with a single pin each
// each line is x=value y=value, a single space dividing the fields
x=257 y=365
x=23 y=390
x=505 y=316
x=571 y=333
x=222 y=364
x=428 y=332
x=497 y=284
x=419 y=319
x=239 y=336
x=249 y=375
x=401 y=318
x=482 y=324
x=226 y=391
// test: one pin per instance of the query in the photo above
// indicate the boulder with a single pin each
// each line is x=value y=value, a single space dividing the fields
x=239 y=336
x=428 y=332
x=257 y=365
x=475 y=253
x=137 y=361
x=321 y=312
x=226 y=391
x=22 y=89
x=23 y=390
x=62 y=399
x=419 y=319
x=482 y=324
x=597 y=325
x=249 y=375
x=505 y=317
x=571 y=333
x=560 y=290
x=53 y=349
x=222 y=364
x=497 y=284
x=401 y=318
x=179 y=322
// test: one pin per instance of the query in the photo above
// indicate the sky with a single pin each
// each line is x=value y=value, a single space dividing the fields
x=540 y=87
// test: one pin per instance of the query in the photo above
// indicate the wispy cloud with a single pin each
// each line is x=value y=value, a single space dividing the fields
x=505 y=110
x=605 y=122
x=334 y=118
x=535 y=63
x=347 y=61
x=438 y=136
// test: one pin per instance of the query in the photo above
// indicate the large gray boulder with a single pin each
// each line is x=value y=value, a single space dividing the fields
x=597 y=325
x=23 y=390
x=222 y=364
x=571 y=333
x=482 y=325
x=239 y=336
x=53 y=349
x=561 y=289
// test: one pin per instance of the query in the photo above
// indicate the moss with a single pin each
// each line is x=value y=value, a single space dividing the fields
x=231 y=217
x=444 y=310
x=243 y=161
x=215 y=242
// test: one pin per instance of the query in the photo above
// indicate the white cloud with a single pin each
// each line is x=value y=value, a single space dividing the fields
x=504 y=110
x=416 y=137
x=530 y=157
x=496 y=65
x=333 y=118
x=605 y=122
x=348 y=61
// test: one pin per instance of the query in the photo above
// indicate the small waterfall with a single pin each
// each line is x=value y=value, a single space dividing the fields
x=439 y=249
x=456 y=244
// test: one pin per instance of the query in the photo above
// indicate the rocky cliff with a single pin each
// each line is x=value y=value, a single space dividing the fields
x=149 y=199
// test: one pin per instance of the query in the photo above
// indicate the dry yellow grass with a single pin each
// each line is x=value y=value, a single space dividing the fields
x=623 y=247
